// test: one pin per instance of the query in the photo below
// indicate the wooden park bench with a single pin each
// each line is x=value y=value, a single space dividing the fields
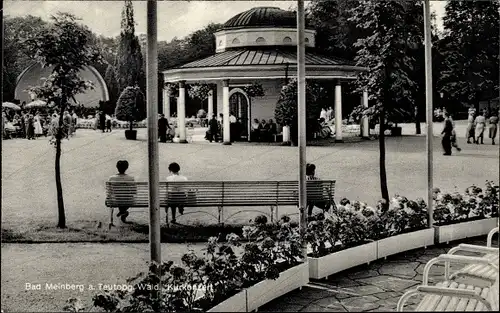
x=220 y=194
x=450 y=295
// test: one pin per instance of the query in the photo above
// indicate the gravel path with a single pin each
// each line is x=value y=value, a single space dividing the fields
x=74 y=264
x=29 y=196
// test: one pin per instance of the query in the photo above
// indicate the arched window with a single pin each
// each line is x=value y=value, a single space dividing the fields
x=287 y=40
x=236 y=41
x=260 y=40
x=307 y=39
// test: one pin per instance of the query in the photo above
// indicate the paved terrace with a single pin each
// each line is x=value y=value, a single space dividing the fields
x=376 y=287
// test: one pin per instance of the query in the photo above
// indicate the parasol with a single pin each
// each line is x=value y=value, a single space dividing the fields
x=11 y=105
x=36 y=104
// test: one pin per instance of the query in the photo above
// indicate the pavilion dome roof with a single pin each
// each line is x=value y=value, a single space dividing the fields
x=263 y=17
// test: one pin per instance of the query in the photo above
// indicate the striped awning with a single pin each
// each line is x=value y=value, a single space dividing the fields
x=242 y=57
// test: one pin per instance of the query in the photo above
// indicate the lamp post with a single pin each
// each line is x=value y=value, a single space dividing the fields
x=301 y=116
x=428 y=102
x=153 y=164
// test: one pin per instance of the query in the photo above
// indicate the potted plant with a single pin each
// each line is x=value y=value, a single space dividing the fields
x=286 y=108
x=131 y=107
x=471 y=214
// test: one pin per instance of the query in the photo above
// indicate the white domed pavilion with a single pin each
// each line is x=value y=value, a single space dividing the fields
x=258 y=45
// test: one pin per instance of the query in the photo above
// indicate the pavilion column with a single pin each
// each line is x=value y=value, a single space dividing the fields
x=181 y=112
x=365 y=120
x=210 y=105
x=338 y=112
x=225 y=112
x=166 y=103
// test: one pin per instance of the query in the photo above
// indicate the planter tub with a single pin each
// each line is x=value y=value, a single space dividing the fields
x=268 y=290
x=404 y=242
x=342 y=260
x=447 y=233
x=237 y=303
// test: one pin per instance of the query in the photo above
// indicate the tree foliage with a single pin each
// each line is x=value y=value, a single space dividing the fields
x=388 y=52
x=335 y=33
x=129 y=61
x=112 y=84
x=16 y=56
x=131 y=105
x=199 y=44
x=65 y=47
x=469 y=51
x=286 y=108
x=392 y=33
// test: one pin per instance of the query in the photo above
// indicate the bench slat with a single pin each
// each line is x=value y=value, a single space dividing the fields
x=462 y=304
x=208 y=193
x=429 y=302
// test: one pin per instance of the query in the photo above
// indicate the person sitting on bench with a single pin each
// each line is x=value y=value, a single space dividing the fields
x=122 y=167
x=311 y=175
x=176 y=196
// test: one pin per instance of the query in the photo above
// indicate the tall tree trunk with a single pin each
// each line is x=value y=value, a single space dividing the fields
x=131 y=125
x=383 y=173
x=60 y=201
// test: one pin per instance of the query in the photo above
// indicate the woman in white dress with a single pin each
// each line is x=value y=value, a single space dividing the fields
x=480 y=125
x=38 y=125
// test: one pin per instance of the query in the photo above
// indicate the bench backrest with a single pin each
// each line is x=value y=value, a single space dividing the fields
x=219 y=193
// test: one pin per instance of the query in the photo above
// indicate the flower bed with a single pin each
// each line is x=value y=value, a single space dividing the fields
x=228 y=272
x=357 y=231
x=458 y=216
x=242 y=276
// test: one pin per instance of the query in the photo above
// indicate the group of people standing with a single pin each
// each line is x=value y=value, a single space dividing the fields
x=30 y=126
x=476 y=126
x=102 y=122
x=327 y=114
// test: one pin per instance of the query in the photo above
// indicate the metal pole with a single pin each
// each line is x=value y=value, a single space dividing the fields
x=498 y=105
x=428 y=100
x=301 y=115
x=153 y=164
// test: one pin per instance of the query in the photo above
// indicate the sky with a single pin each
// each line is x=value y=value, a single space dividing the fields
x=175 y=18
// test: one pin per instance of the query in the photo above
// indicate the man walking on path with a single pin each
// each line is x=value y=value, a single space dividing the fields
x=162 y=128
x=493 y=127
x=102 y=121
x=454 y=142
x=447 y=133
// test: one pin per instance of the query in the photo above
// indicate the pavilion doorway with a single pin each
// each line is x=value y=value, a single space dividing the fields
x=238 y=105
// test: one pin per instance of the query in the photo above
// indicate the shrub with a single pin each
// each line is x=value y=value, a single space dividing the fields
x=131 y=106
